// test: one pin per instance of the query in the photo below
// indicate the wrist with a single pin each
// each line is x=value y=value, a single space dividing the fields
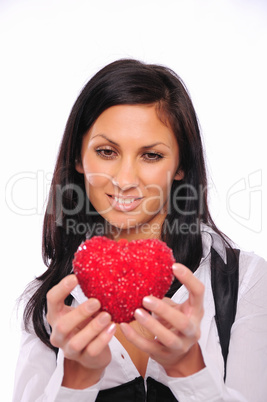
x=191 y=363
x=76 y=376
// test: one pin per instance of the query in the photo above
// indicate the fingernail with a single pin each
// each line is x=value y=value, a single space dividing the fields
x=92 y=305
x=112 y=328
x=179 y=269
x=141 y=314
x=149 y=302
x=104 y=318
x=125 y=328
x=70 y=281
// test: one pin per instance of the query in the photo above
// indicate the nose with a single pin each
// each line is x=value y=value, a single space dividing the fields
x=126 y=176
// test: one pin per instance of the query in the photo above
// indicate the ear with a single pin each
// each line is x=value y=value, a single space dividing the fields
x=79 y=166
x=179 y=175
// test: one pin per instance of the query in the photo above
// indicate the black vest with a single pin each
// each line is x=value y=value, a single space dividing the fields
x=224 y=281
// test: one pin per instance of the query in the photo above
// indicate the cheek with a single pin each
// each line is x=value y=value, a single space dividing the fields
x=159 y=179
x=95 y=174
x=97 y=179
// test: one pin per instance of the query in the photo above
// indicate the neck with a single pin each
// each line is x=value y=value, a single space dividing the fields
x=145 y=231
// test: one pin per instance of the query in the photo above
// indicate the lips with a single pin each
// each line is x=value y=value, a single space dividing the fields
x=125 y=203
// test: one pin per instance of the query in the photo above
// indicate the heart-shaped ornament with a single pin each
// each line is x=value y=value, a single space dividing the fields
x=120 y=274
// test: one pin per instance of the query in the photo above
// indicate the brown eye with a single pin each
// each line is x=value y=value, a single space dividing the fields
x=106 y=153
x=152 y=156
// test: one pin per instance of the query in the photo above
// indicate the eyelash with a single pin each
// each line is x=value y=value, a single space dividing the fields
x=157 y=156
x=100 y=152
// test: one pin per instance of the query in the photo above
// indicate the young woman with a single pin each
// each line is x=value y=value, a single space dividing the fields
x=131 y=166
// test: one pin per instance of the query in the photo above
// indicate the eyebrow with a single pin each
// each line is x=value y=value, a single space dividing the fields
x=115 y=143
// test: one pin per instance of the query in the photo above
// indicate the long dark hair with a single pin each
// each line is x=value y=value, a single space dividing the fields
x=121 y=82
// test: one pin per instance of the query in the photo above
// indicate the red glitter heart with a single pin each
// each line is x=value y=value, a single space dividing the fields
x=120 y=274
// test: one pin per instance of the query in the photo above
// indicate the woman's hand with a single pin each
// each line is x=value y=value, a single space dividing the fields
x=176 y=328
x=82 y=333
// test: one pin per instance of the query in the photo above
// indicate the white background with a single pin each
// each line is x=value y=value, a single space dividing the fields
x=50 y=48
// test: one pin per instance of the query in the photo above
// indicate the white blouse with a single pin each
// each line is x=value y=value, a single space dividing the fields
x=39 y=373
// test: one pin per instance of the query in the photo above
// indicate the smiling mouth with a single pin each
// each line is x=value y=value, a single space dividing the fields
x=124 y=204
x=124 y=200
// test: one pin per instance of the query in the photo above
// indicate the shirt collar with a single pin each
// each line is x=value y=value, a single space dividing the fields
x=212 y=239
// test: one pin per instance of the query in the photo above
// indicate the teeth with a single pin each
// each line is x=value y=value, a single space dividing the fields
x=124 y=200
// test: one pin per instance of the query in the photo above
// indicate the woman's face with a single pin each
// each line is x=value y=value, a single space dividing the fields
x=129 y=159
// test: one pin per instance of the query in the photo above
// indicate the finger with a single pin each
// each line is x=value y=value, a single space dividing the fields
x=57 y=295
x=139 y=341
x=100 y=342
x=193 y=284
x=165 y=336
x=67 y=323
x=173 y=318
x=85 y=336
x=169 y=301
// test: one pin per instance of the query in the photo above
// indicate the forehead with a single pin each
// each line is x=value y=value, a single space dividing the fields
x=137 y=121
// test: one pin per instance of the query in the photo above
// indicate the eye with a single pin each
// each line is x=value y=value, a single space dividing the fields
x=152 y=156
x=106 y=153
